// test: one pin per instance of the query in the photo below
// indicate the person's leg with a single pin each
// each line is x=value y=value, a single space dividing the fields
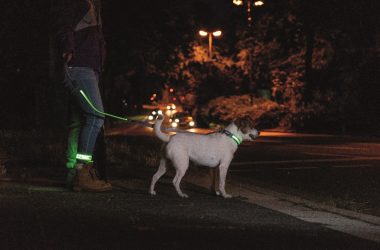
x=86 y=79
x=74 y=124
x=100 y=156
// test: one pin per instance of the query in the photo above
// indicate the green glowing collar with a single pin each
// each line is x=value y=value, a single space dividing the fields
x=234 y=137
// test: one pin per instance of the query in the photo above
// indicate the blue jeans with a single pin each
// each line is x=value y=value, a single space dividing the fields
x=84 y=122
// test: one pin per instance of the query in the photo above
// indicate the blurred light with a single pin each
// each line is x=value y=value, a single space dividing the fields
x=159 y=112
x=154 y=95
x=154 y=113
x=259 y=3
x=171 y=90
x=168 y=107
x=150 y=117
x=203 y=33
x=192 y=124
x=176 y=120
x=173 y=106
x=217 y=33
x=237 y=2
x=174 y=124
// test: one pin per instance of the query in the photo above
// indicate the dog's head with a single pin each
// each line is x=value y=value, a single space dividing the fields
x=246 y=126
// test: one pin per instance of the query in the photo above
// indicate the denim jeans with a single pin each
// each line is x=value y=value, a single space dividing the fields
x=84 y=123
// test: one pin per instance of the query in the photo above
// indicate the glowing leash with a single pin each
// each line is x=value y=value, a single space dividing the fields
x=98 y=111
x=146 y=124
x=73 y=88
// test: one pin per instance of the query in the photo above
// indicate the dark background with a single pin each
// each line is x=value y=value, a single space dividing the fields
x=144 y=39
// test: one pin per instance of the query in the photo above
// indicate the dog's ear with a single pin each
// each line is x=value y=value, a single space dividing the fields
x=244 y=124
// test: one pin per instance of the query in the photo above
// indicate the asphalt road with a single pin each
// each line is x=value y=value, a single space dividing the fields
x=333 y=169
x=33 y=217
x=341 y=170
x=50 y=217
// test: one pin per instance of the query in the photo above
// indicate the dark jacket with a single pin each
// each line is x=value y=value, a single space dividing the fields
x=80 y=33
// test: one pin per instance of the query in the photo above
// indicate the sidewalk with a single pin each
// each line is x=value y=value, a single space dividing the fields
x=46 y=216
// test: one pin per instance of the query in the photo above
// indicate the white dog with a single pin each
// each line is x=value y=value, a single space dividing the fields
x=211 y=150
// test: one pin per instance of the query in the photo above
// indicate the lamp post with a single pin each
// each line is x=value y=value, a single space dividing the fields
x=216 y=33
x=249 y=3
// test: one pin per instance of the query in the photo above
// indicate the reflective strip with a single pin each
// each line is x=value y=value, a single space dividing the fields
x=84 y=157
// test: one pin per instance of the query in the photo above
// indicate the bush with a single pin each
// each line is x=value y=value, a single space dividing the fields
x=320 y=115
x=265 y=113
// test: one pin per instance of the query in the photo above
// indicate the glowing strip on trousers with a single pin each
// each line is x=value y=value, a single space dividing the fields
x=84 y=157
x=98 y=111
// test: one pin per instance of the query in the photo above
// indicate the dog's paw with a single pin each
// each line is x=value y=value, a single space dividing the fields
x=217 y=193
x=183 y=195
x=152 y=192
x=227 y=196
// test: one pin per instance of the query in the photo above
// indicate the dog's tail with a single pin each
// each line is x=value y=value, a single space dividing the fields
x=157 y=129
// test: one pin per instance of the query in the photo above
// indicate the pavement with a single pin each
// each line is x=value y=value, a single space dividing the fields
x=37 y=212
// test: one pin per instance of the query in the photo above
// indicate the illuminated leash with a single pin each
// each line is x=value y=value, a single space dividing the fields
x=98 y=111
x=237 y=140
x=74 y=88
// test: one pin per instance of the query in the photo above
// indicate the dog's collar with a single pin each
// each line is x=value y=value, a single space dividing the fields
x=231 y=135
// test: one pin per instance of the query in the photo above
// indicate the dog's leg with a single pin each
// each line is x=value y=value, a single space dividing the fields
x=214 y=173
x=222 y=179
x=180 y=166
x=160 y=172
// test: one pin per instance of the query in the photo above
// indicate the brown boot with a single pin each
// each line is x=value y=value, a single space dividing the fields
x=88 y=180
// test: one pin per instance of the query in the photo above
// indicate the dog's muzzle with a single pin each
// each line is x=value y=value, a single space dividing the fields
x=253 y=137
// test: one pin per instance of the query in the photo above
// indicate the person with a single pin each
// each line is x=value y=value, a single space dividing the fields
x=82 y=48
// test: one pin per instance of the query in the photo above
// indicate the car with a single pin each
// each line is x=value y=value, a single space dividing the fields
x=171 y=106
x=182 y=119
x=153 y=115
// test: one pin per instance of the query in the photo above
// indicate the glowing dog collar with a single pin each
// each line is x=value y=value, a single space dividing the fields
x=231 y=135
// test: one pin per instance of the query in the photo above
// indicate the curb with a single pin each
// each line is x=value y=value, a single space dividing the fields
x=248 y=189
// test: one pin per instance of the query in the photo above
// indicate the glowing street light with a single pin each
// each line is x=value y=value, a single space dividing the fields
x=216 y=33
x=249 y=7
x=238 y=2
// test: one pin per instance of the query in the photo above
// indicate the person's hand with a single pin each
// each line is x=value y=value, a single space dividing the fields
x=67 y=56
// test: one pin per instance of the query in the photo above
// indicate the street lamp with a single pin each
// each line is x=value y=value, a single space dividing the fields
x=216 y=33
x=249 y=7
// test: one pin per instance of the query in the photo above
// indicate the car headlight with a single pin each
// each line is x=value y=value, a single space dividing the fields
x=154 y=112
x=150 y=117
x=192 y=124
x=159 y=112
x=174 y=124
